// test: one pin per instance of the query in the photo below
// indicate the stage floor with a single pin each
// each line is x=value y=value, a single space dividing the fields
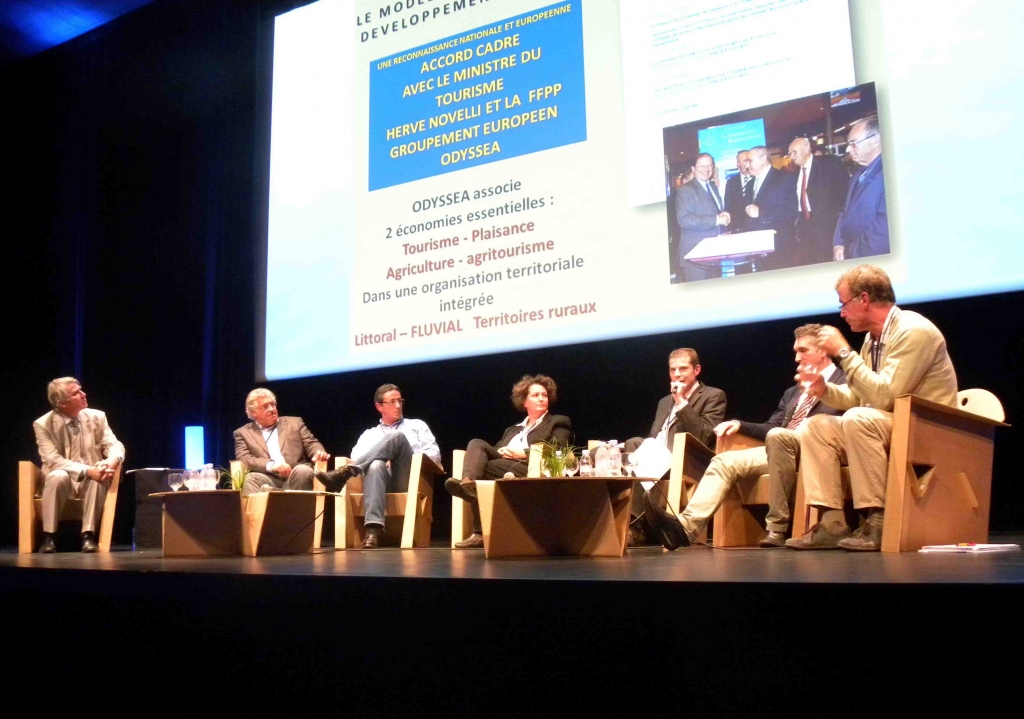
x=646 y=564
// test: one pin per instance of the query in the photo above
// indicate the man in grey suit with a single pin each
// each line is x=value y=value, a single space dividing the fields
x=279 y=451
x=79 y=453
x=700 y=213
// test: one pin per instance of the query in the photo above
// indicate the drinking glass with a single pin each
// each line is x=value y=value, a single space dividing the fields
x=571 y=465
x=190 y=480
x=175 y=480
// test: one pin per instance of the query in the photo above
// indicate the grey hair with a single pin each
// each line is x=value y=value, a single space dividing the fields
x=56 y=391
x=252 y=401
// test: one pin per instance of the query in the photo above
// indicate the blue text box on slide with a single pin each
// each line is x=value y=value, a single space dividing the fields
x=417 y=100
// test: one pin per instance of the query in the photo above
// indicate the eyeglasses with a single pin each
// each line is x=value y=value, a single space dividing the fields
x=395 y=402
x=843 y=306
x=854 y=143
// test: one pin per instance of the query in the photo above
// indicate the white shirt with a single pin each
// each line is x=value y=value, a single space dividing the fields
x=421 y=439
x=519 y=441
x=270 y=437
x=800 y=183
x=713 y=192
x=663 y=434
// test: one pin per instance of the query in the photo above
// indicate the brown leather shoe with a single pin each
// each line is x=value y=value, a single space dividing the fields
x=818 y=537
x=773 y=540
x=865 y=539
x=464 y=489
x=372 y=538
x=334 y=481
x=473 y=541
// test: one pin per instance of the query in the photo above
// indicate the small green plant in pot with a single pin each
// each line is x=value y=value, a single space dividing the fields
x=234 y=478
x=558 y=460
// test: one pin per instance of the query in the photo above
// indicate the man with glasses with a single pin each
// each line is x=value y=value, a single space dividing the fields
x=279 y=451
x=903 y=353
x=394 y=440
x=863 y=226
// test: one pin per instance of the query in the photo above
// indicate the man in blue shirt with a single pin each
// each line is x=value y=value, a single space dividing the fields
x=394 y=439
x=863 y=227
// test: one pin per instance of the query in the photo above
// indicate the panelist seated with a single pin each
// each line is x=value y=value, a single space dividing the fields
x=532 y=394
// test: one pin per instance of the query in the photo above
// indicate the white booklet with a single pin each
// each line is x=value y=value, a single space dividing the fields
x=969 y=548
x=652 y=459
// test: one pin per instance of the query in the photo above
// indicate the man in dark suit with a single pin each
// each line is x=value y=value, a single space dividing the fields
x=779 y=457
x=279 y=451
x=691 y=406
x=738 y=191
x=700 y=213
x=820 y=193
x=863 y=227
x=772 y=206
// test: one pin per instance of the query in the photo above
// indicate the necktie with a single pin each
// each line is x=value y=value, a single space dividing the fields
x=747 y=192
x=75 y=448
x=757 y=187
x=804 y=204
x=803 y=407
x=713 y=191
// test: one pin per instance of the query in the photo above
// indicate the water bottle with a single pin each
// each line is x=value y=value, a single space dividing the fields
x=601 y=460
x=614 y=459
x=586 y=464
x=209 y=477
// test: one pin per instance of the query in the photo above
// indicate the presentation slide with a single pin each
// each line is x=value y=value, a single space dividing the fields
x=451 y=178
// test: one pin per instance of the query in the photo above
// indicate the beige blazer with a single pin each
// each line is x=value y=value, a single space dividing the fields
x=298 y=445
x=914 y=361
x=54 y=439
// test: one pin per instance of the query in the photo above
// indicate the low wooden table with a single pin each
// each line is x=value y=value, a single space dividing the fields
x=220 y=522
x=583 y=516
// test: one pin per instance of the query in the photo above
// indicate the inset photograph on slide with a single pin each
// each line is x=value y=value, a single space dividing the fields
x=785 y=185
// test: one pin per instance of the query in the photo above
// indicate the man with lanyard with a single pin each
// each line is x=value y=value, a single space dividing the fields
x=779 y=457
x=394 y=440
x=902 y=354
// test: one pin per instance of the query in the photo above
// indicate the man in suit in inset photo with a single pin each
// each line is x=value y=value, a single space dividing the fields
x=863 y=227
x=771 y=206
x=820 y=193
x=700 y=212
x=279 y=451
x=737 y=192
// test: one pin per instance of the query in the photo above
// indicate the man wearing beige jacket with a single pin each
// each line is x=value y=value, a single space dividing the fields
x=903 y=353
x=79 y=453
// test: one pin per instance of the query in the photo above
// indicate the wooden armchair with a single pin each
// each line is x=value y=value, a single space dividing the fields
x=690 y=459
x=407 y=515
x=462 y=513
x=939 y=483
x=318 y=523
x=30 y=507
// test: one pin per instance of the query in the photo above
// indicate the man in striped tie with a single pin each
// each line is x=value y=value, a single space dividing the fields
x=779 y=457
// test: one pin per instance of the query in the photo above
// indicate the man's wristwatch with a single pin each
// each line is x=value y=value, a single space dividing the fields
x=844 y=353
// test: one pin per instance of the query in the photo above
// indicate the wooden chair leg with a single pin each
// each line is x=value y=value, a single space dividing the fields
x=318 y=524
x=109 y=506
x=28 y=478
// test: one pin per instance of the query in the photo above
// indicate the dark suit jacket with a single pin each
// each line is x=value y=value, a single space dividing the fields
x=697 y=214
x=704 y=410
x=863 y=228
x=298 y=445
x=787 y=405
x=776 y=205
x=826 y=191
x=736 y=203
x=556 y=428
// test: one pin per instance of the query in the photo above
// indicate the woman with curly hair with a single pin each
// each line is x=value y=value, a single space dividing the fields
x=532 y=394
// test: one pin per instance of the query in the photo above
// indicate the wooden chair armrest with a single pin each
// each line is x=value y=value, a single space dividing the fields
x=954 y=415
x=458 y=457
x=533 y=460
x=690 y=459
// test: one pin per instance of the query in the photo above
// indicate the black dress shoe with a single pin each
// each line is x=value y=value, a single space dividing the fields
x=89 y=545
x=49 y=546
x=473 y=541
x=372 y=538
x=667 y=526
x=773 y=540
x=334 y=481
x=464 y=489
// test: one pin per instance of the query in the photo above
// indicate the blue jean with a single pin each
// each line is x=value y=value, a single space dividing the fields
x=379 y=479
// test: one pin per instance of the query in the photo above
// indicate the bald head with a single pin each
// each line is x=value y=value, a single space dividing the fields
x=800 y=151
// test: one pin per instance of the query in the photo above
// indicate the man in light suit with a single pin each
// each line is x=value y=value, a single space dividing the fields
x=821 y=187
x=779 y=457
x=771 y=206
x=863 y=227
x=737 y=192
x=279 y=451
x=700 y=213
x=79 y=453
x=691 y=406
x=903 y=353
